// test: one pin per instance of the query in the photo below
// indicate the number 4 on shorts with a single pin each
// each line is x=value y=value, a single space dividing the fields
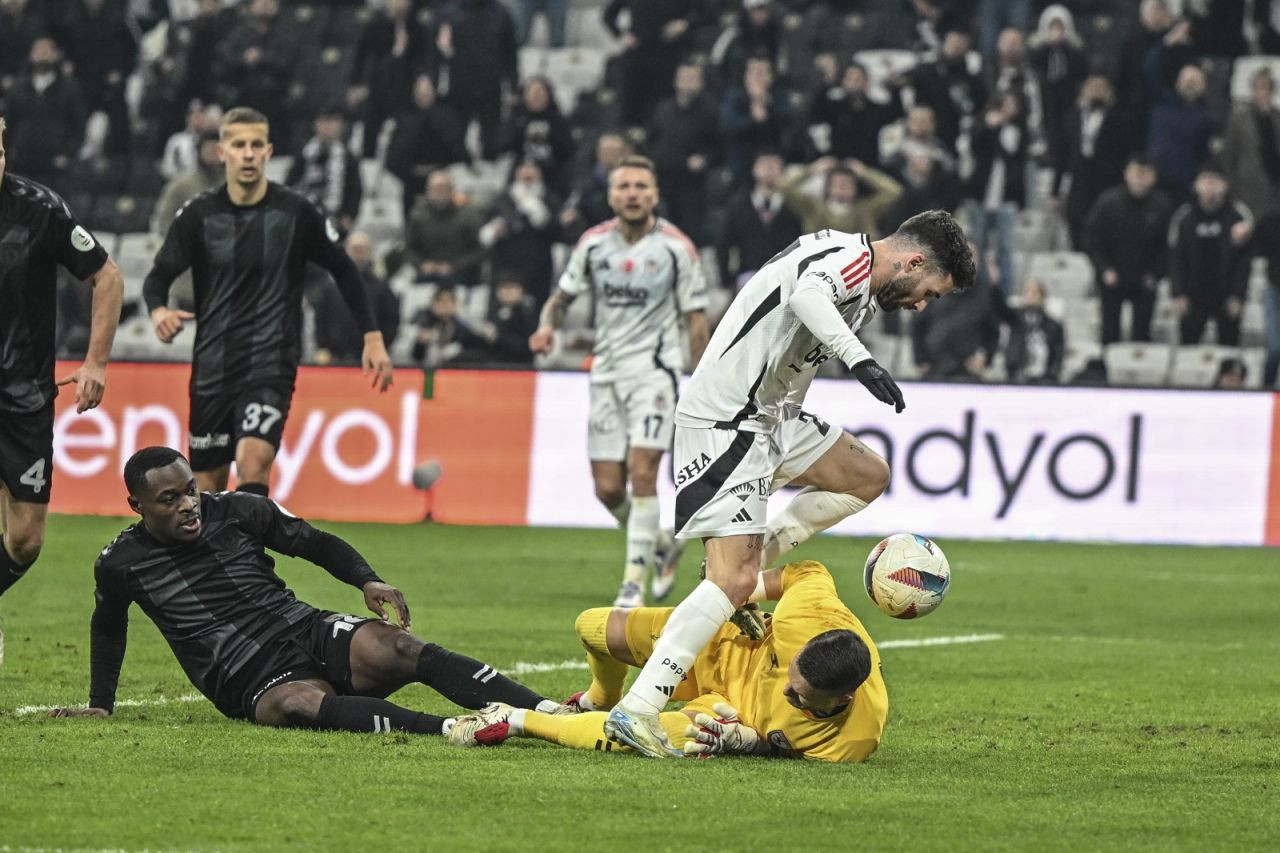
x=34 y=476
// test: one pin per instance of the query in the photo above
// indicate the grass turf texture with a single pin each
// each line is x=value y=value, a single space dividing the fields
x=1132 y=704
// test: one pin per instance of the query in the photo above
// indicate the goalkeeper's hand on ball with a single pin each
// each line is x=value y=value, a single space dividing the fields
x=723 y=734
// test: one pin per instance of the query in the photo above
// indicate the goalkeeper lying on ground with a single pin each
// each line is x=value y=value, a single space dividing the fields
x=811 y=688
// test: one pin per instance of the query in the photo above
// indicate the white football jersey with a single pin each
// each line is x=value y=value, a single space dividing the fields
x=762 y=357
x=640 y=290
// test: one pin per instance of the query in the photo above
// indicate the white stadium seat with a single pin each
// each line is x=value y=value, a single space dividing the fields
x=1196 y=366
x=1065 y=274
x=1134 y=363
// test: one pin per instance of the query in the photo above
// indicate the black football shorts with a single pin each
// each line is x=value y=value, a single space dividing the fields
x=26 y=454
x=219 y=421
x=318 y=648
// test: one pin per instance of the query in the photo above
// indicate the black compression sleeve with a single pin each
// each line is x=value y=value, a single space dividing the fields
x=336 y=557
x=108 y=635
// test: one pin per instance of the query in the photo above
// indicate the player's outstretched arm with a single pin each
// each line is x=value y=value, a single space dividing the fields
x=375 y=359
x=108 y=637
x=90 y=378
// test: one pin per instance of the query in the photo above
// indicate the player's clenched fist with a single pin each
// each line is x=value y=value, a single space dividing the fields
x=168 y=323
x=722 y=734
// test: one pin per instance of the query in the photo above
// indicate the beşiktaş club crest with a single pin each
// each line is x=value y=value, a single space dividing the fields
x=81 y=240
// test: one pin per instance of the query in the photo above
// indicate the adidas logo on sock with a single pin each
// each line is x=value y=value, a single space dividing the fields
x=666 y=690
x=742 y=516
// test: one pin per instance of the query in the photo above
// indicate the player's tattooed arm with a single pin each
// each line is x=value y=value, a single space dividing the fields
x=553 y=314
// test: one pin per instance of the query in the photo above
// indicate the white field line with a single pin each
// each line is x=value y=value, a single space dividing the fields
x=527 y=668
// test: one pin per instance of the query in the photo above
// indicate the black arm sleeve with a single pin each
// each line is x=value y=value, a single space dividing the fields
x=336 y=557
x=173 y=258
x=290 y=535
x=108 y=634
x=323 y=248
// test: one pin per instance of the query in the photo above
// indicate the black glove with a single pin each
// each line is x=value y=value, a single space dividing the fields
x=879 y=383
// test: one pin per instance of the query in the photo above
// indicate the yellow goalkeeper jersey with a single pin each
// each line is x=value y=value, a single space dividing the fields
x=751 y=676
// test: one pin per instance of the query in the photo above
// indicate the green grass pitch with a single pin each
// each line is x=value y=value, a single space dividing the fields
x=1132 y=701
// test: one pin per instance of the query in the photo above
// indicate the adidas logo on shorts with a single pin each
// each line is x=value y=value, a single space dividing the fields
x=742 y=516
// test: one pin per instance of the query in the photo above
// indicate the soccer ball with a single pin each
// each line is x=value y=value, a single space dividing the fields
x=906 y=575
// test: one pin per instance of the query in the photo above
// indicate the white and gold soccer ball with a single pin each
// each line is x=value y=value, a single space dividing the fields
x=907 y=575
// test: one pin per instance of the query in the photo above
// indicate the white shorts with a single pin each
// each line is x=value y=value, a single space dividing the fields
x=631 y=413
x=724 y=477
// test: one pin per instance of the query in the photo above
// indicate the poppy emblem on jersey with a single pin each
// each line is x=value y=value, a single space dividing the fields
x=628 y=265
x=81 y=239
x=856 y=272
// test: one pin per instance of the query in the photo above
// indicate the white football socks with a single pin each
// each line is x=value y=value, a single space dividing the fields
x=691 y=626
x=642 y=535
x=809 y=512
x=515 y=722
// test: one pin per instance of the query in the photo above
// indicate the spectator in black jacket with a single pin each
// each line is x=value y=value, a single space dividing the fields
x=104 y=52
x=652 y=46
x=394 y=48
x=1127 y=238
x=522 y=229
x=958 y=341
x=1097 y=148
x=947 y=86
x=1209 y=259
x=757 y=224
x=513 y=318
x=1057 y=57
x=853 y=119
x=442 y=336
x=1181 y=124
x=927 y=184
x=588 y=204
x=684 y=141
x=46 y=115
x=538 y=131
x=428 y=136
x=997 y=189
x=754 y=116
x=756 y=32
x=327 y=171
x=338 y=338
x=21 y=23
x=256 y=58
x=477 y=40
x=1036 y=340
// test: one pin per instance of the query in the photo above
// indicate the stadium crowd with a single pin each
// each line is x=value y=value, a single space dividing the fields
x=1116 y=164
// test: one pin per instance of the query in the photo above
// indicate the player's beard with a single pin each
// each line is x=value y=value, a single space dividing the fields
x=893 y=295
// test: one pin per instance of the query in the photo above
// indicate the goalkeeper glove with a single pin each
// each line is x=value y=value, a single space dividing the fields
x=879 y=383
x=723 y=734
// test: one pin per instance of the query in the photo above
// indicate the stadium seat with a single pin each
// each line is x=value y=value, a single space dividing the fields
x=1253 y=321
x=278 y=168
x=135 y=256
x=1134 y=363
x=1077 y=354
x=1065 y=274
x=1196 y=366
x=1242 y=72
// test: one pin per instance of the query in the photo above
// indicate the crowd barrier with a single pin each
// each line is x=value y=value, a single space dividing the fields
x=1076 y=464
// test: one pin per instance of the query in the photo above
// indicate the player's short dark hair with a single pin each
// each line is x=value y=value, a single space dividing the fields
x=946 y=249
x=835 y=662
x=1139 y=158
x=241 y=115
x=636 y=161
x=146 y=460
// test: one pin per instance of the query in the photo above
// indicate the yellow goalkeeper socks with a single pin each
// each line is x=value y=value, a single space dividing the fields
x=607 y=673
x=586 y=731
